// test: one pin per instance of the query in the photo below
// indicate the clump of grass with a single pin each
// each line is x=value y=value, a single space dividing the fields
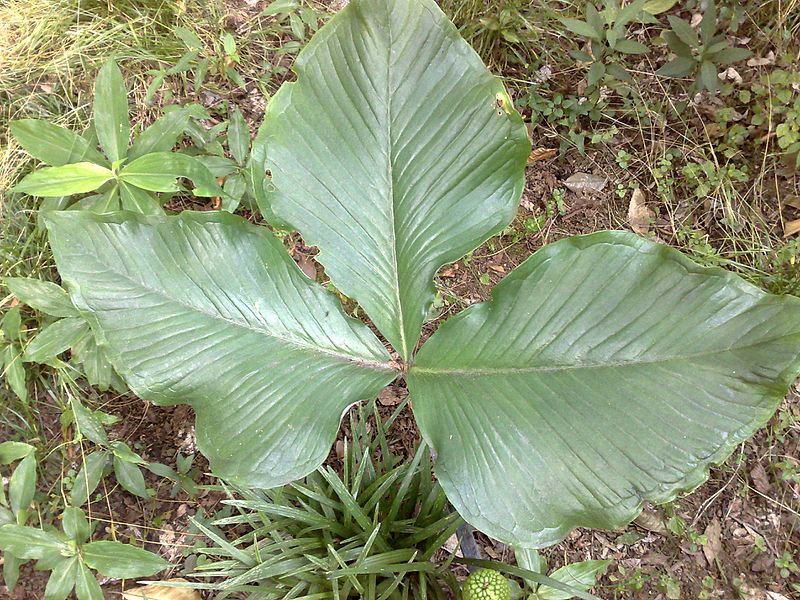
x=510 y=35
x=370 y=531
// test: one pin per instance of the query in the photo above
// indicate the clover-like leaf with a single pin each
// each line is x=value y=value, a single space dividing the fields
x=605 y=371
x=395 y=152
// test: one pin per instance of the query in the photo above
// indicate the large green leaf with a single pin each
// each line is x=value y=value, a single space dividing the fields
x=110 y=112
x=207 y=309
x=605 y=370
x=162 y=135
x=159 y=171
x=75 y=178
x=52 y=144
x=44 y=296
x=114 y=559
x=395 y=152
x=29 y=542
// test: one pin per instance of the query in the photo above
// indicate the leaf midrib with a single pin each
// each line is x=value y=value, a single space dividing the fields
x=368 y=363
x=479 y=372
x=390 y=179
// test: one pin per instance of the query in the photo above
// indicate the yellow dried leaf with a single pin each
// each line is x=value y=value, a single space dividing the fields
x=791 y=228
x=162 y=592
x=639 y=216
x=542 y=154
x=792 y=201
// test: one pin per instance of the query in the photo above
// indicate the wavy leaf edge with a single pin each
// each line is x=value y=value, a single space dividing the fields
x=693 y=478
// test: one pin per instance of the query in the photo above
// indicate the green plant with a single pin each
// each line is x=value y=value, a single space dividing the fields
x=500 y=32
x=222 y=60
x=182 y=477
x=69 y=331
x=368 y=533
x=699 y=56
x=580 y=576
x=126 y=176
x=302 y=19
x=707 y=177
x=15 y=506
x=117 y=457
x=606 y=31
x=788 y=132
x=670 y=586
x=71 y=557
x=564 y=112
x=786 y=565
x=625 y=582
x=243 y=173
x=107 y=455
x=538 y=403
x=11 y=357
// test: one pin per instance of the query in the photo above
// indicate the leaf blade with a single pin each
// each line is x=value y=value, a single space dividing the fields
x=75 y=178
x=115 y=559
x=403 y=143
x=44 y=296
x=29 y=543
x=56 y=338
x=52 y=144
x=580 y=382
x=88 y=478
x=110 y=112
x=277 y=312
x=162 y=135
x=158 y=172
x=62 y=579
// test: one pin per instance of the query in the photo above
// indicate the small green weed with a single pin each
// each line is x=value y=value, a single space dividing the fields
x=699 y=56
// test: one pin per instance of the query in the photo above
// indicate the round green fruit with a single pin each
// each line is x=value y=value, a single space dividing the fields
x=486 y=584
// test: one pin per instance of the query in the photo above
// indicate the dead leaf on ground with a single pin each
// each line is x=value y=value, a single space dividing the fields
x=769 y=59
x=639 y=216
x=339 y=449
x=713 y=545
x=791 y=228
x=452 y=545
x=586 y=182
x=542 y=154
x=389 y=397
x=651 y=520
x=449 y=271
x=760 y=479
x=162 y=592
x=497 y=268
x=306 y=265
x=731 y=74
x=793 y=201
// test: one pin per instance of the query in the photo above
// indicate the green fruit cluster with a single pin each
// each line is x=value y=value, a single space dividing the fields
x=486 y=584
